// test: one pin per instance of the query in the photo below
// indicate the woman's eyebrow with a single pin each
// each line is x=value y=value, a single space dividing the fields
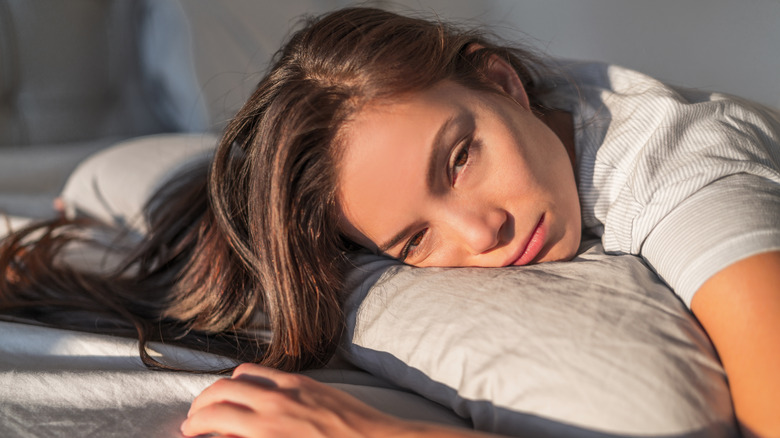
x=401 y=235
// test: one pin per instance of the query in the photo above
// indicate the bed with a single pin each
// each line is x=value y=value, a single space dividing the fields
x=596 y=348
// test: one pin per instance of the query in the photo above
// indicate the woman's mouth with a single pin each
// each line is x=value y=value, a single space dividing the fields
x=534 y=244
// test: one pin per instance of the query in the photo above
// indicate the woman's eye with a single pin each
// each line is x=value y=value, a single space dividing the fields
x=412 y=245
x=460 y=161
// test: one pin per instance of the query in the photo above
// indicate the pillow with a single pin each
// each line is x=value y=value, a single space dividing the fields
x=594 y=347
x=114 y=184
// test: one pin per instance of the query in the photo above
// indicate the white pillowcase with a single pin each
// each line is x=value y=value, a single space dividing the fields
x=593 y=347
x=114 y=184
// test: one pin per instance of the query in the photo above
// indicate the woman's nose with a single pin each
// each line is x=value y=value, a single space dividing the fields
x=478 y=229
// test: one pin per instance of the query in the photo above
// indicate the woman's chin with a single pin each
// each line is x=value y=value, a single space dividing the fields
x=564 y=250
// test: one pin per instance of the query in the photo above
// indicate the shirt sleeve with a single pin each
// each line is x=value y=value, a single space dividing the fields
x=730 y=219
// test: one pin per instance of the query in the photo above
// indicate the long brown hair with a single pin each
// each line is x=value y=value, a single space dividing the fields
x=246 y=258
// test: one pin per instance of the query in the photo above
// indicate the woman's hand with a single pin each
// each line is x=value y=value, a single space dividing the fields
x=263 y=402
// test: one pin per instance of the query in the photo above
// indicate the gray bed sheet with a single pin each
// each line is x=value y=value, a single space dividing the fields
x=60 y=383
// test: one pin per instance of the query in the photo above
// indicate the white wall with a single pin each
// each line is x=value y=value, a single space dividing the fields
x=724 y=45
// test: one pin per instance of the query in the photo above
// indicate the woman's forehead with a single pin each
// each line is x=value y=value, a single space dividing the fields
x=382 y=168
x=385 y=163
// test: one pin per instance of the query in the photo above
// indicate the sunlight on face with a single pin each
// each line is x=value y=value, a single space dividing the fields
x=457 y=177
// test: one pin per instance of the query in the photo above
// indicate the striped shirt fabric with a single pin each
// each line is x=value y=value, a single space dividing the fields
x=689 y=180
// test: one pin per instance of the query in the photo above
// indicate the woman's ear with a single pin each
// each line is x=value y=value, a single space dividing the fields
x=501 y=72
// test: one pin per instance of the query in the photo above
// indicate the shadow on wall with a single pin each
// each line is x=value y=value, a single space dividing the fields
x=717 y=45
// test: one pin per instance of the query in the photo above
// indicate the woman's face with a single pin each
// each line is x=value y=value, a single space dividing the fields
x=457 y=177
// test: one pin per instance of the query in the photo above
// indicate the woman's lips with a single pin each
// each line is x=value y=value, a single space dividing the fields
x=534 y=244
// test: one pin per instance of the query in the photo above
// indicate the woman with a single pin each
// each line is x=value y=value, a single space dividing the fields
x=436 y=147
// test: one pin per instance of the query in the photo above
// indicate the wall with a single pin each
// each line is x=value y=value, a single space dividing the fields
x=724 y=45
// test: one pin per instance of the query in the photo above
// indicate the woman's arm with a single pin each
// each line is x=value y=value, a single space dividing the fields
x=739 y=308
x=262 y=402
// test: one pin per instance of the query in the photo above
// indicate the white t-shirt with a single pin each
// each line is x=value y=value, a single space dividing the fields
x=689 y=180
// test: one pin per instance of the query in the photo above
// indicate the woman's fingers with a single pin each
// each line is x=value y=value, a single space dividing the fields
x=243 y=392
x=261 y=402
x=223 y=418
x=254 y=369
x=242 y=408
x=272 y=376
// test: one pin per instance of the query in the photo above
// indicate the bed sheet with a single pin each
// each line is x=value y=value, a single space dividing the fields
x=59 y=383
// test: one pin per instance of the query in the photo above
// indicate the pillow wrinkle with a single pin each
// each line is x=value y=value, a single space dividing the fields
x=594 y=347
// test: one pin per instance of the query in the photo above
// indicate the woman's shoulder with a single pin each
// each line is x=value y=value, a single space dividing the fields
x=628 y=112
x=644 y=146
